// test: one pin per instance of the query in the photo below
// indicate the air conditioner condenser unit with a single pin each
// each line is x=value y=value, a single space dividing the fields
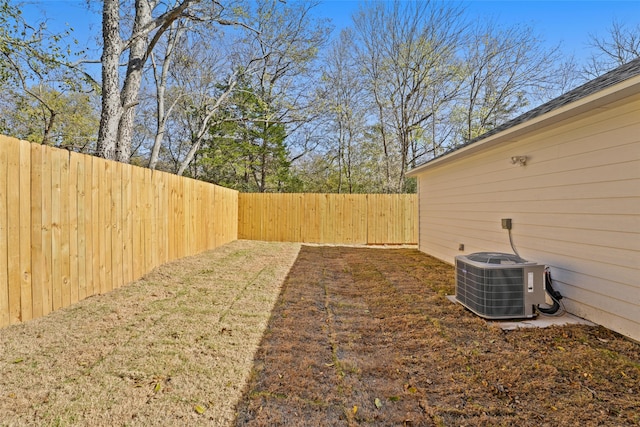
x=497 y=285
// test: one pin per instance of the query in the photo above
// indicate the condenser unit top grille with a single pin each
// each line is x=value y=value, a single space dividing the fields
x=496 y=258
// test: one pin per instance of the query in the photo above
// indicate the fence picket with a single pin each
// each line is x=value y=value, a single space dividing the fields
x=47 y=247
x=81 y=231
x=88 y=226
x=116 y=221
x=96 y=226
x=74 y=281
x=4 y=216
x=104 y=211
x=13 y=236
x=37 y=228
x=65 y=228
x=56 y=230
x=126 y=211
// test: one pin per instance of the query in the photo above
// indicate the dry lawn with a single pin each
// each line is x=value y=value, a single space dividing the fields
x=367 y=337
x=174 y=348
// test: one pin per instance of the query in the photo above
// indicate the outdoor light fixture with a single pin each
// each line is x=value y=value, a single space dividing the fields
x=519 y=160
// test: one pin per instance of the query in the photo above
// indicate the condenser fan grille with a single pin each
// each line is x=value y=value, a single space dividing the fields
x=496 y=258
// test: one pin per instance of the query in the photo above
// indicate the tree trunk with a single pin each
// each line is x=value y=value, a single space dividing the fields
x=111 y=107
x=48 y=128
x=131 y=89
x=161 y=88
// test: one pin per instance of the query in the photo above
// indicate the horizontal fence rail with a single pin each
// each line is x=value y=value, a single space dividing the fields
x=371 y=219
x=73 y=225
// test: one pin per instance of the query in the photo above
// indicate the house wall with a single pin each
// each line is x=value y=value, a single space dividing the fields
x=575 y=207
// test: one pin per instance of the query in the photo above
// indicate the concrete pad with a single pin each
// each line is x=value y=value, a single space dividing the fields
x=541 y=321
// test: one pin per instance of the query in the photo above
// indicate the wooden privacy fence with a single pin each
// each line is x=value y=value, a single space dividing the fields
x=73 y=225
x=329 y=218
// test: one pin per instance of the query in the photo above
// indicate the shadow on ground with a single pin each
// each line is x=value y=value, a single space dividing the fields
x=366 y=336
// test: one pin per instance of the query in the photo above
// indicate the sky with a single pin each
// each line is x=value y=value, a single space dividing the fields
x=564 y=23
x=568 y=23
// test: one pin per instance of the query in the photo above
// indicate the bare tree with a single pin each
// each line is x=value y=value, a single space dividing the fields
x=504 y=70
x=189 y=94
x=196 y=69
x=281 y=51
x=209 y=111
x=161 y=80
x=152 y=19
x=267 y=97
x=406 y=49
x=343 y=96
x=619 y=46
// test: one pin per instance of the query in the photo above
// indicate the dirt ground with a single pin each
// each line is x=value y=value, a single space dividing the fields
x=367 y=337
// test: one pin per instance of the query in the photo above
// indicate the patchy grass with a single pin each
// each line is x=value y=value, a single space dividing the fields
x=367 y=337
x=174 y=348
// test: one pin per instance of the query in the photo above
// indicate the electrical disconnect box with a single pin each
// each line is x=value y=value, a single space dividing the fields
x=506 y=223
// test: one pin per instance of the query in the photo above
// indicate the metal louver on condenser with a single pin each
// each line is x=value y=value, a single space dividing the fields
x=496 y=285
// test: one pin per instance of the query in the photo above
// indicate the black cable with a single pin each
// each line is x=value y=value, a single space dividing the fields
x=554 y=295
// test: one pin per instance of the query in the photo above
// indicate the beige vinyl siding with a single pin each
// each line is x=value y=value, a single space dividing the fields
x=575 y=207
